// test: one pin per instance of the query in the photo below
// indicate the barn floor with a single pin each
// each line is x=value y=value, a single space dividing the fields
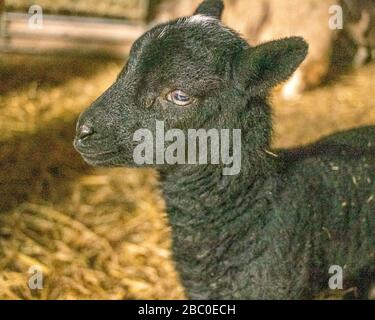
x=102 y=234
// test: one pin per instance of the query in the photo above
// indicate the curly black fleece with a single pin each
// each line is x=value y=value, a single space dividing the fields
x=273 y=230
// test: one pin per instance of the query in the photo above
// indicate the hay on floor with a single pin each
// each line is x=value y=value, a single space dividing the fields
x=102 y=233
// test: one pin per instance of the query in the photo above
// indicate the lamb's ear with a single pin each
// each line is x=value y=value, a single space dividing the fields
x=211 y=8
x=263 y=67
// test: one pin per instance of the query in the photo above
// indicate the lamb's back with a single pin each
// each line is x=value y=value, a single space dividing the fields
x=326 y=204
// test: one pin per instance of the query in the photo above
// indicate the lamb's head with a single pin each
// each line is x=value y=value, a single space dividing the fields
x=191 y=73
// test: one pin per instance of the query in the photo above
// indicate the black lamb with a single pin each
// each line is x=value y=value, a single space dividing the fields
x=273 y=230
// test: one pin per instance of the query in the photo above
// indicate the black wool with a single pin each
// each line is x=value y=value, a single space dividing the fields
x=273 y=230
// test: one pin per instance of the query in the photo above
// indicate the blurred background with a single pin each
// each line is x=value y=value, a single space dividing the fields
x=103 y=233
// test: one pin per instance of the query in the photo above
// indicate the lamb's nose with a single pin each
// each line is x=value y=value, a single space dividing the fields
x=84 y=131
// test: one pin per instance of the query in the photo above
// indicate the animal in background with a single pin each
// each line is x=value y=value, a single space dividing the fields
x=273 y=19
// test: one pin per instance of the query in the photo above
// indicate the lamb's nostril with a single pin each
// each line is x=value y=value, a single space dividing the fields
x=84 y=131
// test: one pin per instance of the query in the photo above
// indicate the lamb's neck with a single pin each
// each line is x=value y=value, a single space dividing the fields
x=208 y=212
x=203 y=191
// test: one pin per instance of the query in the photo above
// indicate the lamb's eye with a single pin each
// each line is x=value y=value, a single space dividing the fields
x=179 y=98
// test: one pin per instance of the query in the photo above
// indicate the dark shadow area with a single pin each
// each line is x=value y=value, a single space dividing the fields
x=366 y=282
x=39 y=166
x=18 y=71
x=354 y=144
x=341 y=63
x=153 y=9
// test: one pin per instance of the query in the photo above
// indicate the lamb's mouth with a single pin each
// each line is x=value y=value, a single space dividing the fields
x=97 y=158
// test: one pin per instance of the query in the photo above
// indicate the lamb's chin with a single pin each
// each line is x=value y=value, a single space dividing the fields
x=114 y=160
x=102 y=161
